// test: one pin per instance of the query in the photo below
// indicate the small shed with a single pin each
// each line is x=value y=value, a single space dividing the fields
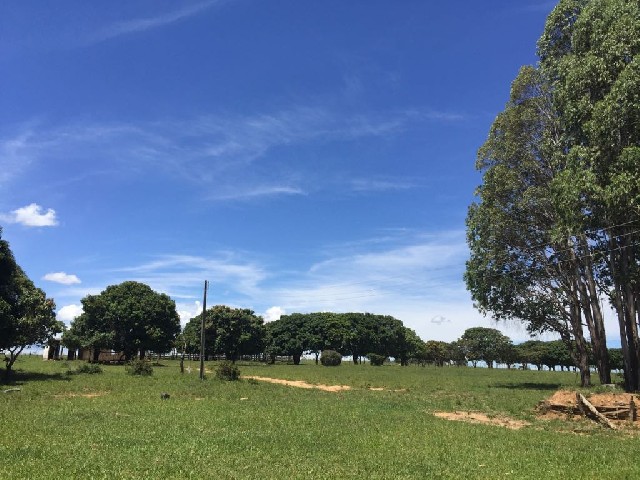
x=52 y=350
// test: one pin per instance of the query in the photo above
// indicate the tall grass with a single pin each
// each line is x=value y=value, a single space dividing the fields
x=114 y=425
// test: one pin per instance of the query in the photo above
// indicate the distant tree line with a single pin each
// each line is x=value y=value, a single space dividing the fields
x=239 y=332
x=134 y=320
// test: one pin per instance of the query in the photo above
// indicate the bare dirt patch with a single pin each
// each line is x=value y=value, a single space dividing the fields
x=482 y=418
x=382 y=389
x=81 y=394
x=300 y=384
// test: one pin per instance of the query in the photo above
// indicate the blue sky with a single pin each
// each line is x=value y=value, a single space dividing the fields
x=301 y=156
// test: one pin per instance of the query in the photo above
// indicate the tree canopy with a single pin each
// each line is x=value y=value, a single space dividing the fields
x=355 y=334
x=231 y=332
x=27 y=316
x=484 y=344
x=556 y=223
x=130 y=318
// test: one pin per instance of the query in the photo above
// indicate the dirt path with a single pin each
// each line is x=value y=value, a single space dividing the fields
x=476 y=417
x=80 y=394
x=300 y=384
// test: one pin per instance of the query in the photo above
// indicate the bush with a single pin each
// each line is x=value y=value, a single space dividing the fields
x=139 y=367
x=330 y=358
x=89 y=368
x=227 y=371
x=376 y=360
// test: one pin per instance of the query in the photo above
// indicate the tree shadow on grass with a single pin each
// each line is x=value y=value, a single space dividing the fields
x=527 y=386
x=20 y=377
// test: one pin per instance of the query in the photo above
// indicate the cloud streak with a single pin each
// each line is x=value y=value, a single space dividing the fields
x=361 y=185
x=256 y=192
x=140 y=25
x=209 y=150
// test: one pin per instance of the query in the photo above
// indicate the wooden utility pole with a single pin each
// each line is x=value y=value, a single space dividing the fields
x=204 y=312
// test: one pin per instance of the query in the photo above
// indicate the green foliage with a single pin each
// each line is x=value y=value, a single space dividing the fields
x=330 y=358
x=231 y=332
x=556 y=224
x=140 y=367
x=89 y=368
x=27 y=316
x=436 y=352
x=129 y=318
x=354 y=333
x=617 y=359
x=485 y=344
x=227 y=371
x=376 y=360
x=289 y=336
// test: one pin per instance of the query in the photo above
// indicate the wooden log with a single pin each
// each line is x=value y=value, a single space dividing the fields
x=583 y=401
x=620 y=414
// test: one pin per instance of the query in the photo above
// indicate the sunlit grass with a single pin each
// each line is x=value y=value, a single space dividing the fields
x=116 y=425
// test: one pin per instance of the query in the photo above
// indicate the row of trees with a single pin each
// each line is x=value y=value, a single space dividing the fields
x=132 y=318
x=239 y=332
x=488 y=345
x=352 y=334
x=556 y=227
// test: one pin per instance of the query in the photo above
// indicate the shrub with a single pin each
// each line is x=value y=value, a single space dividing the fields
x=330 y=358
x=89 y=368
x=376 y=360
x=139 y=367
x=227 y=371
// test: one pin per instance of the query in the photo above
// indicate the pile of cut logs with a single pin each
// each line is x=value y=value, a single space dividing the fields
x=619 y=410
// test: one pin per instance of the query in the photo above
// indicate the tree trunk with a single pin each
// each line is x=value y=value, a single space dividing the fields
x=296 y=358
x=593 y=313
x=9 y=361
x=619 y=264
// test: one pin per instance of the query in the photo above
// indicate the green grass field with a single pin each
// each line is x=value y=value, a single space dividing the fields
x=113 y=425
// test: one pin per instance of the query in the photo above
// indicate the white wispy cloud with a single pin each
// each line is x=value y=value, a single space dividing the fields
x=208 y=150
x=380 y=185
x=255 y=192
x=32 y=215
x=372 y=273
x=180 y=274
x=139 y=25
x=12 y=159
x=62 y=278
